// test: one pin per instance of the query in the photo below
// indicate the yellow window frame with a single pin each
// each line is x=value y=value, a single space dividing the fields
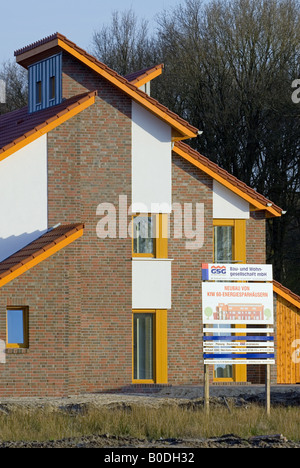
x=25 y=343
x=160 y=346
x=239 y=255
x=160 y=239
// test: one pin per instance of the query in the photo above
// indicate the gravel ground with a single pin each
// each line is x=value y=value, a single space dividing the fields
x=183 y=396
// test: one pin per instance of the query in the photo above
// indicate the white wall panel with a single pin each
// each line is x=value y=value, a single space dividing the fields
x=23 y=197
x=151 y=284
x=151 y=162
x=228 y=205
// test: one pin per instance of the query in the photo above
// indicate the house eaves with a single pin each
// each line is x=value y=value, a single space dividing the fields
x=57 y=42
x=142 y=77
x=18 y=128
x=256 y=200
x=39 y=250
x=288 y=295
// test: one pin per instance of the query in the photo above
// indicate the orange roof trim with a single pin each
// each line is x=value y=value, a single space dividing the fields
x=288 y=295
x=70 y=109
x=142 y=77
x=27 y=55
x=255 y=199
x=39 y=250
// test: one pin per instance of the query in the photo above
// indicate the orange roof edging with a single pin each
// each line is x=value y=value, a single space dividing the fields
x=83 y=102
x=225 y=178
x=185 y=129
x=286 y=293
x=66 y=235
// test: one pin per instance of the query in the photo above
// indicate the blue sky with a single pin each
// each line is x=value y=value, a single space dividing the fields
x=27 y=21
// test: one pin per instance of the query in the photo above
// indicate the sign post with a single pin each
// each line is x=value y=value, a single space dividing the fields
x=233 y=297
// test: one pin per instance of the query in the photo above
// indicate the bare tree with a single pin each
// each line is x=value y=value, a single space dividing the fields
x=124 y=45
x=229 y=67
x=15 y=78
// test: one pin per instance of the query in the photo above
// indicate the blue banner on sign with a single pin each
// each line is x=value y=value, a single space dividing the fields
x=238 y=356
x=238 y=338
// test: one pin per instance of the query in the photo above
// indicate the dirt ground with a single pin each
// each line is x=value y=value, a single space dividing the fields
x=184 y=396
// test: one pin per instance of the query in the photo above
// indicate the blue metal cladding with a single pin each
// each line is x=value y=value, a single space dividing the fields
x=40 y=74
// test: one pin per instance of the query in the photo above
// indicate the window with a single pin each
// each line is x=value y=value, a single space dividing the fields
x=229 y=240
x=150 y=346
x=150 y=235
x=144 y=235
x=17 y=327
x=38 y=92
x=223 y=243
x=52 y=87
x=143 y=346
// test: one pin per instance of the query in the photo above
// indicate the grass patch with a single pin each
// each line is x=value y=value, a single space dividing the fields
x=147 y=423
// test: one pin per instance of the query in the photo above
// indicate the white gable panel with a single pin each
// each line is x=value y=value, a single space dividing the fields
x=228 y=205
x=151 y=284
x=23 y=197
x=151 y=162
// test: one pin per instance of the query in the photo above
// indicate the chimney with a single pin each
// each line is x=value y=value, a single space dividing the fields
x=2 y=92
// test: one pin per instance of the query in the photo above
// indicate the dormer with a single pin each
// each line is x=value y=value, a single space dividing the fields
x=45 y=83
x=43 y=60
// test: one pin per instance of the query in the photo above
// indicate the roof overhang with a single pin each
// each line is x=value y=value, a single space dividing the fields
x=288 y=295
x=256 y=201
x=144 y=76
x=42 y=49
x=46 y=246
x=70 y=110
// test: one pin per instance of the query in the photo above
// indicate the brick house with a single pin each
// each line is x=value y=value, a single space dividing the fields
x=107 y=216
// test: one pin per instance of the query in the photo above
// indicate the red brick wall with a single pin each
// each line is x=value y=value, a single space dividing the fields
x=185 y=326
x=256 y=238
x=43 y=369
x=100 y=138
x=80 y=300
x=184 y=319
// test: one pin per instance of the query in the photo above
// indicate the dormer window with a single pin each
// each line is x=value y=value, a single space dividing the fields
x=52 y=88
x=45 y=83
x=38 y=92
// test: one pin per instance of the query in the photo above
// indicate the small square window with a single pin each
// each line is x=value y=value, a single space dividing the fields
x=17 y=327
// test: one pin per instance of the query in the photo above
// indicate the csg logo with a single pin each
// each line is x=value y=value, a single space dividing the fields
x=218 y=270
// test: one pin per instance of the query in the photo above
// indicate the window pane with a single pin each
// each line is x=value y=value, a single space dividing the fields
x=39 y=92
x=52 y=87
x=143 y=346
x=15 y=327
x=143 y=234
x=223 y=243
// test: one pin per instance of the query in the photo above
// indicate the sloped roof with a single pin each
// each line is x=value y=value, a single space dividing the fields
x=42 y=248
x=286 y=293
x=141 y=77
x=225 y=178
x=19 y=128
x=57 y=42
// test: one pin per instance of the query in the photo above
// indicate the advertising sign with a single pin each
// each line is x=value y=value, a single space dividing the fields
x=237 y=303
x=236 y=272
